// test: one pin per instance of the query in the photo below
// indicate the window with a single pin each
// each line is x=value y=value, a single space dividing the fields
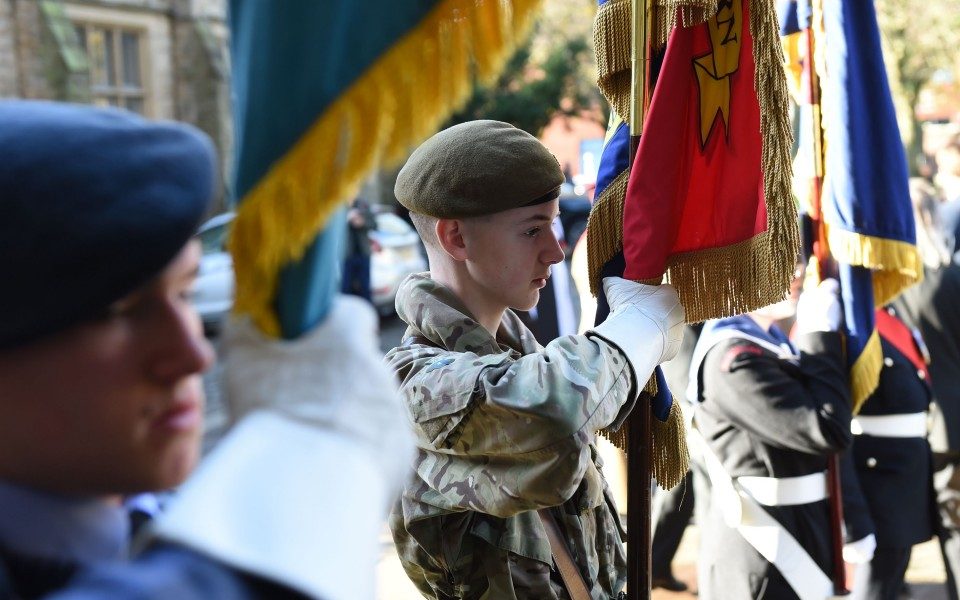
x=115 y=73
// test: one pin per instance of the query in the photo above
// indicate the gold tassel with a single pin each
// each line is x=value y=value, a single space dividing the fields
x=398 y=101
x=671 y=459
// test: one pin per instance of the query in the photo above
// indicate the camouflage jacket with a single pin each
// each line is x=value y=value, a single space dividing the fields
x=504 y=427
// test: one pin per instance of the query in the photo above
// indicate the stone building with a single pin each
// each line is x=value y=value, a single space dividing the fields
x=165 y=59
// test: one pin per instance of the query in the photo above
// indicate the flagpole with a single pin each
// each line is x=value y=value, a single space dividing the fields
x=822 y=253
x=639 y=447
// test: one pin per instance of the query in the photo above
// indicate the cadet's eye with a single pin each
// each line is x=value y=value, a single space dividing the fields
x=532 y=232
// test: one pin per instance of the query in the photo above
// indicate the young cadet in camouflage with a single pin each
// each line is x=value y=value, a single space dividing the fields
x=504 y=426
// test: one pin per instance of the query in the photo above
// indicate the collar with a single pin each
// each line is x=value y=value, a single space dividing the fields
x=50 y=526
x=742 y=327
x=433 y=311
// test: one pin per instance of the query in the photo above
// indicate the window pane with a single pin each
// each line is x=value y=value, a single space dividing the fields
x=81 y=36
x=130 y=46
x=111 y=59
x=134 y=104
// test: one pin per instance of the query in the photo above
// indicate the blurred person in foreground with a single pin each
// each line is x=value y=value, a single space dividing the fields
x=769 y=414
x=932 y=307
x=507 y=483
x=101 y=355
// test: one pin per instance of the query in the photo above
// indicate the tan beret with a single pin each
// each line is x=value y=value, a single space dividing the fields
x=478 y=168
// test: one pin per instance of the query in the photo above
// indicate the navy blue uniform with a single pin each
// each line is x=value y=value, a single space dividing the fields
x=771 y=416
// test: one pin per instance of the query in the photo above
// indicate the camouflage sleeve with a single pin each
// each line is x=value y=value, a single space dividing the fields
x=519 y=428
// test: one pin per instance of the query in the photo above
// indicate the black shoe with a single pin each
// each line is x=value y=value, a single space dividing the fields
x=669 y=583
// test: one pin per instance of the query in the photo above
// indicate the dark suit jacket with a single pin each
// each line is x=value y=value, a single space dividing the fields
x=767 y=417
x=887 y=482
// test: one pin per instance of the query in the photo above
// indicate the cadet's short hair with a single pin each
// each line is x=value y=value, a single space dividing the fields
x=426 y=227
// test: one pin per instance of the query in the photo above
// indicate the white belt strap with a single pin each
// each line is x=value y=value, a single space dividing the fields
x=895 y=426
x=786 y=491
x=763 y=532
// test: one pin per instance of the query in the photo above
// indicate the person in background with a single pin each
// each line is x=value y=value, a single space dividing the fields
x=931 y=307
x=769 y=415
x=356 y=263
x=101 y=356
x=948 y=182
x=886 y=474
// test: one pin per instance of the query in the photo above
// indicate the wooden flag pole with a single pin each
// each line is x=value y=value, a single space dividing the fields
x=822 y=253
x=639 y=447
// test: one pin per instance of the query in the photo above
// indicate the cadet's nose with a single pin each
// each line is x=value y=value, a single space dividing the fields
x=183 y=349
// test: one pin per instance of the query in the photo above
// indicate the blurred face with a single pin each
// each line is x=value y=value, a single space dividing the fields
x=786 y=308
x=508 y=256
x=113 y=405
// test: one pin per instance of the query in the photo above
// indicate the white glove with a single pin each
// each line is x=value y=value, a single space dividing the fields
x=819 y=309
x=860 y=551
x=645 y=322
x=298 y=491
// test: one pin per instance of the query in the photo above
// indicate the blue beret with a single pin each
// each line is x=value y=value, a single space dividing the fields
x=93 y=203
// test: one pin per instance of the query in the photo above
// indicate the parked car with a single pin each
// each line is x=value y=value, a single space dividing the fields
x=396 y=252
x=213 y=291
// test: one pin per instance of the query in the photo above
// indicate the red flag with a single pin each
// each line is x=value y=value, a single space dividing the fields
x=697 y=183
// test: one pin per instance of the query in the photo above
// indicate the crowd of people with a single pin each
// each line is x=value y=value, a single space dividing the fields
x=475 y=435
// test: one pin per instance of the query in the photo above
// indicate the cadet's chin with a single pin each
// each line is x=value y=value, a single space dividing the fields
x=530 y=303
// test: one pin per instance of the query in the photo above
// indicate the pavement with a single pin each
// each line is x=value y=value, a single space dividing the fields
x=925 y=574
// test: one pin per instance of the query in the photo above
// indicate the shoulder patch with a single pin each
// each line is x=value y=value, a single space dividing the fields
x=736 y=352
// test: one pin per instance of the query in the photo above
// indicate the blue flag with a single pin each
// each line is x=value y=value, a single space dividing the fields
x=866 y=202
x=325 y=92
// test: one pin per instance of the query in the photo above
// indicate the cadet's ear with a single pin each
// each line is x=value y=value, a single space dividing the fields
x=450 y=236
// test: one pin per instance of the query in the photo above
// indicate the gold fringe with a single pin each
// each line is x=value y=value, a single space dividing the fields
x=685 y=13
x=865 y=372
x=605 y=228
x=671 y=459
x=612 y=28
x=398 y=101
x=770 y=82
x=718 y=282
x=897 y=265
